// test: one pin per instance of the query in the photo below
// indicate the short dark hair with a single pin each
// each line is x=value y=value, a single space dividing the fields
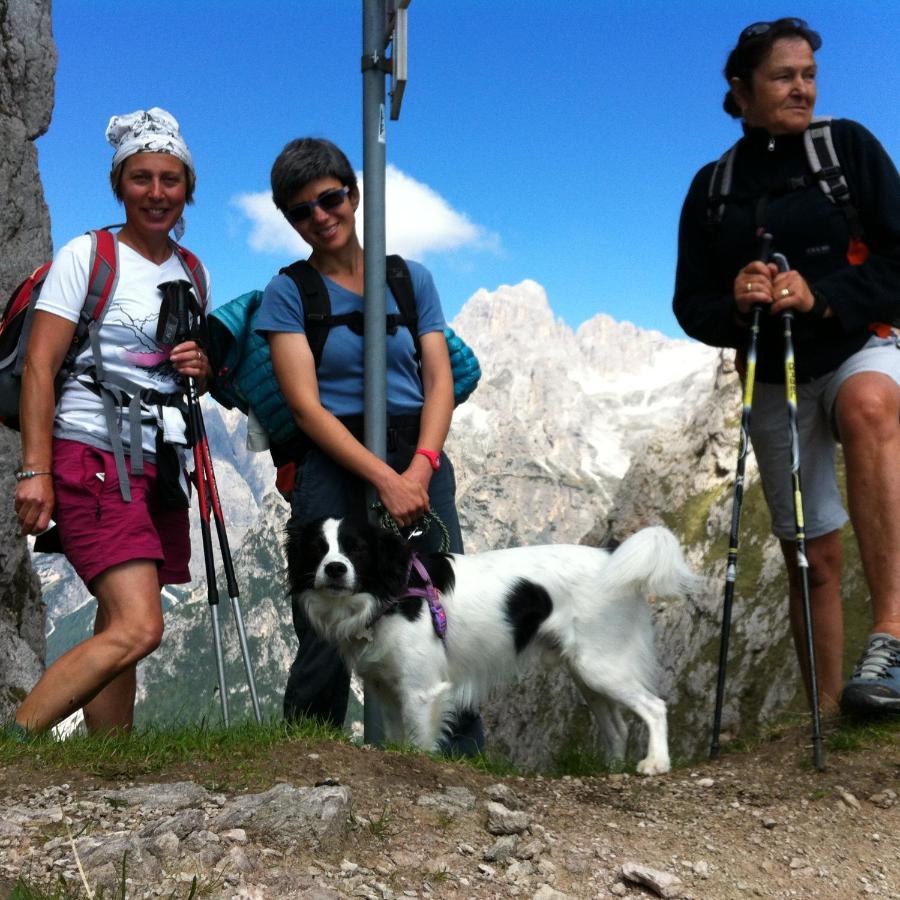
x=115 y=179
x=754 y=45
x=304 y=160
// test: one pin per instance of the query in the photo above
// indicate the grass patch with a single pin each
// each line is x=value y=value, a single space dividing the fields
x=25 y=890
x=489 y=764
x=62 y=890
x=445 y=821
x=855 y=735
x=846 y=735
x=577 y=760
x=230 y=759
x=768 y=733
x=383 y=827
x=153 y=749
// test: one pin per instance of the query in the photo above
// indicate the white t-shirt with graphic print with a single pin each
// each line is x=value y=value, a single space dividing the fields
x=128 y=345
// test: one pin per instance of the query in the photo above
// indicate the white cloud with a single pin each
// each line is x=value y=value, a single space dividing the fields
x=418 y=222
x=270 y=231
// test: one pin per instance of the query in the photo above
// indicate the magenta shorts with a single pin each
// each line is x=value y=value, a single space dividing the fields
x=99 y=530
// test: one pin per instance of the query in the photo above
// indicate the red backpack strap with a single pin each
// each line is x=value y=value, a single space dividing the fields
x=195 y=272
x=102 y=275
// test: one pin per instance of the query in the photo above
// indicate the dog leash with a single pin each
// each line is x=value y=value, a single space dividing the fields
x=422 y=527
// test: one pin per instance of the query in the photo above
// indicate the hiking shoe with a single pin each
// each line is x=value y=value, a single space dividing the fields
x=874 y=686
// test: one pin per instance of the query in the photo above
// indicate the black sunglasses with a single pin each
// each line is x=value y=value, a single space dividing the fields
x=329 y=200
x=760 y=28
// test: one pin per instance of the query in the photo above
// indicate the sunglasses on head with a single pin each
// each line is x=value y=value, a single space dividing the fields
x=329 y=200
x=757 y=29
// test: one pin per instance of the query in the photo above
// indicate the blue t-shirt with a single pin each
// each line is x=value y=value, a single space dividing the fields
x=340 y=373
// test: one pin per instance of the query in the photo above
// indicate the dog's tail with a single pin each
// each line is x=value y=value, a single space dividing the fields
x=651 y=559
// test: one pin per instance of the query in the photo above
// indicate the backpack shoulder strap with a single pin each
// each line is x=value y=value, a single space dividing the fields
x=720 y=185
x=826 y=168
x=400 y=283
x=195 y=272
x=822 y=159
x=317 y=316
x=316 y=305
x=103 y=274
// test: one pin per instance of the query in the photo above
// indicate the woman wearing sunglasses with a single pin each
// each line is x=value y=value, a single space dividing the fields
x=315 y=187
x=843 y=284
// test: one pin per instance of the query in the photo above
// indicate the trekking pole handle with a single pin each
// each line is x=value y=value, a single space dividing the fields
x=780 y=260
x=174 y=325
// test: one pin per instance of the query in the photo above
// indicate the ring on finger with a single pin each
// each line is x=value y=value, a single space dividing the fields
x=785 y=292
x=749 y=286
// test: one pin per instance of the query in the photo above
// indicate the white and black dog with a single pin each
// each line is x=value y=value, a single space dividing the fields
x=364 y=590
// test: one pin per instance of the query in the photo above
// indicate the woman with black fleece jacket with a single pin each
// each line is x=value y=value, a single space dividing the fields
x=843 y=287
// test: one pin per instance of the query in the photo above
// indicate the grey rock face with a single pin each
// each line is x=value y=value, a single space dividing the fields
x=27 y=66
x=288 y=814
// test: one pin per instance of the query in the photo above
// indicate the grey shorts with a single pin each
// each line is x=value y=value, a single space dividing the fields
x=823 y=509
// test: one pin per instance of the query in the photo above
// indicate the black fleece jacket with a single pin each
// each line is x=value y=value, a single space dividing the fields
x=810 y=231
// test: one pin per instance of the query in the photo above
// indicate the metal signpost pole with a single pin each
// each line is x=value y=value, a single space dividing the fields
x=382 y=22
x=373 y=230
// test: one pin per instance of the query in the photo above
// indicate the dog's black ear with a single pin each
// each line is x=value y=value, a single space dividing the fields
x=393 y=562
x=303 y=547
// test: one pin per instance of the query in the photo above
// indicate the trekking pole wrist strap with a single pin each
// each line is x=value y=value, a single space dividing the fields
x=820 y=305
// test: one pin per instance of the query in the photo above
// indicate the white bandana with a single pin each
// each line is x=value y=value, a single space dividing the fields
x=147 y=131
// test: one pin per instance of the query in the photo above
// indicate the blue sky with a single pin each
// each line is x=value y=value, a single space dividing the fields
x=551 y=141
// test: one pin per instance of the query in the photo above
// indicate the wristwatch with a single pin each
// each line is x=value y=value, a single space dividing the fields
x=431 y=456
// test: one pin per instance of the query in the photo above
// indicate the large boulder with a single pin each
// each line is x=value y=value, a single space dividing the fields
x=27 y=67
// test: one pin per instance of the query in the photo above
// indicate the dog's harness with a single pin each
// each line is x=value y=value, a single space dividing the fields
x=428 y=591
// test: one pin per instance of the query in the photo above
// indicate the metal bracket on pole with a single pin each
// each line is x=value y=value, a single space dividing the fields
x=398 y=61
x=376 y=61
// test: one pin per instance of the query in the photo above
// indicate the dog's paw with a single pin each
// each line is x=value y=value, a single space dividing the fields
x=651 y=766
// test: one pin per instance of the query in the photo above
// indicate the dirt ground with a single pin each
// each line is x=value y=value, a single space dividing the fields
x=754 y=823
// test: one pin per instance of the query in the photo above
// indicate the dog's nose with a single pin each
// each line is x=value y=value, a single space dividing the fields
x=335 y=569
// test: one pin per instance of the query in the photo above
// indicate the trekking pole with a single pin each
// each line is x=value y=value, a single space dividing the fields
x=212 y=592
x=227 y=561
x=177 y=293
x=790 y=385
x=736 y=507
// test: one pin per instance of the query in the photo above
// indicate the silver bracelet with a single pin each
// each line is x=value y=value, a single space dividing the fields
x=23 y=474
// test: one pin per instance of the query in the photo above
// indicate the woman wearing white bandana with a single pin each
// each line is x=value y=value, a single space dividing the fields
x=123 y=549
